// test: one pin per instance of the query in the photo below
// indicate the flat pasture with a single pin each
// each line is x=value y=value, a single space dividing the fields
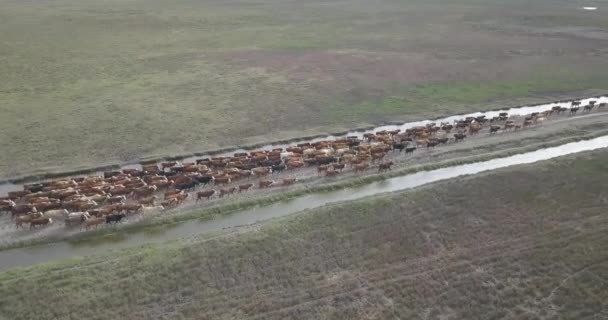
x=86 y=83
x=521 y=243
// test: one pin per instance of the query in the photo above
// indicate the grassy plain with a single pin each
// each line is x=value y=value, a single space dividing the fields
x=521 y=243
x=85 y=83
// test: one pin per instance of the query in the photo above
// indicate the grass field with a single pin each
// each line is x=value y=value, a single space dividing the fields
x=522 y=243
x=88 y=82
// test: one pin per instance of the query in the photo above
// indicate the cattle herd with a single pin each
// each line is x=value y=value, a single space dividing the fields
x=90 y=201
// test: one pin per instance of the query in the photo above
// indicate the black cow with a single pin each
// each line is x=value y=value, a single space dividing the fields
x=410 y=150
x=187 y=185
x=459 y=136
x=278 y=168
x=115 y=218
x=399 y=146
x=204 y=179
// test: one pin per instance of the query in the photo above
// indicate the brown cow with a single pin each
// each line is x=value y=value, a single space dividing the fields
x=385 y=166
x=145 y=191
x=90 y=222
x=361 y=167
x=221 y=180
x=148 y=201
x=169 y=203
x=116 y=199
x=265 y=184
x=21 y=220
x=262 y=171
x=43 y=221
x=295 y=164
x=227 y=191
x=6 y=205
x=22 y=209
x=204 y=194
x=338 y=166
x=322 y=168
x=331 y=172
x=245 y=187
x=129 y=208
x=378 y=156
x=289 y=181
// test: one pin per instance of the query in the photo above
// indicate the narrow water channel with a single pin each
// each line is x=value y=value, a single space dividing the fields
x=39 y=254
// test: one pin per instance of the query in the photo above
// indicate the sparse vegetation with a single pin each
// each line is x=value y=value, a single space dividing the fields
x=86 y=83
x=525 y=242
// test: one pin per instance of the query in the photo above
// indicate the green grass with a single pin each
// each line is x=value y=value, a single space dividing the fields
x=86 y=83
x=474 y=248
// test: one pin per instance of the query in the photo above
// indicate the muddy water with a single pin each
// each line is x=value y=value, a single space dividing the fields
x=40 y=254
x=516 y=111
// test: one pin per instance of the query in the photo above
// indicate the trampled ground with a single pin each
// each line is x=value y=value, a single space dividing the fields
x=523 y=243
x=90 y=82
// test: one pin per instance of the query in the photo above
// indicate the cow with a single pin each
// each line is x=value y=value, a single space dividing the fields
x=338 y=166
x=204 y=194
x=145 y=191
x=245 y=187
x=6 y=205
x=148 y=201
x=204 y=179
x=574 y=110
x=221 y=180
x=410 y=150
x=588 y=108
x=321 y=169
x=431 y=144
x=289 y=181
x=129 y=208
x=378 y=156
x=115 y=218
x=93 y=222
x=494 y=129
x=278 y=168
x=191 y=185
x=261 y=171
x=169 y=203
x=22 y=209
x=226 y=191
x=385 y=166
x=331 y=172
x=57 y=214
x=399 y=146
x=21 y=220
x=76 y=218
x=15 y=195
x=361 y=167
x=265 y=184
x=459 y=136
x=42 y=221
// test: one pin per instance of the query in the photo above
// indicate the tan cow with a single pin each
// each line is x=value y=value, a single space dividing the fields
x=265 y=184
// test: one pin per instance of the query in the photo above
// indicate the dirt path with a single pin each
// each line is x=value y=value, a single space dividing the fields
x=480 y=144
